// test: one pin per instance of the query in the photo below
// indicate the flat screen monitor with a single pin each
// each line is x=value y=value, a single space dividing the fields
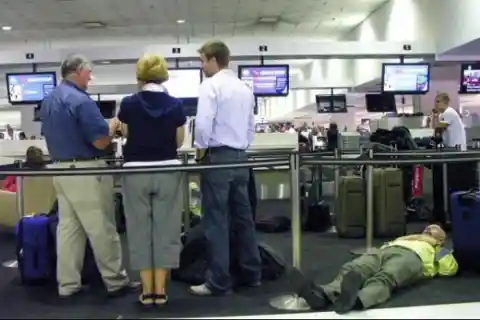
x=107 y=108
x=29 y=87
x=380 y=102
x=189 y=106
x=470 y=78
x=36 y=113
x=184 y=83
x=266 y=80
x=406 y=78
x=336 y=103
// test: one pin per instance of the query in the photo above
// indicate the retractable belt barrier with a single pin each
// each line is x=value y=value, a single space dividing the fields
x=292 y=160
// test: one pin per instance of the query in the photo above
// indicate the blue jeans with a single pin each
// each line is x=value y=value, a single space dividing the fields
x=227 y=216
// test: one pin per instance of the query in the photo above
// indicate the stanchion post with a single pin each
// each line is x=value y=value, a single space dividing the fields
x=369 y=222
x=295 y=204
x=445 y=192
x=186 y=196
x=369 y=209
x=20 y=202
x=337 y=172
x=293 y=302
x=20 y=194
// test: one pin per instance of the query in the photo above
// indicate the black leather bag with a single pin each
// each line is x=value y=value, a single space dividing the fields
x=120 y=214
x=273 y=224
x=193 y=260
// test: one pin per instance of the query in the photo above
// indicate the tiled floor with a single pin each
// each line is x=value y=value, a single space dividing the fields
x=445 y=311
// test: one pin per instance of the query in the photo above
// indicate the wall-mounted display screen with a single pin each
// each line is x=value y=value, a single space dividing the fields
x=470 y=78
x=36 y=113
x=380 y=102
x=184 y=83
x=189 y=106
x=266 y=80
x=336 y=103
x=406 y=78
x=107 y=108
x=29 y=88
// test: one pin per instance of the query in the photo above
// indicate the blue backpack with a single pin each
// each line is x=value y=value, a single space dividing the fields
x=35 y=248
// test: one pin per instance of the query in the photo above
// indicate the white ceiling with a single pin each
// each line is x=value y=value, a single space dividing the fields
x=46 y=20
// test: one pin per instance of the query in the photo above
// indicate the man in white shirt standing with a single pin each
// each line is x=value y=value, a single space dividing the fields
x=224 y=129
x=461 y=176
x=450 y=123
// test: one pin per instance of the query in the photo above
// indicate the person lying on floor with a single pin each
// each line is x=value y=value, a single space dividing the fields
x=370 y=279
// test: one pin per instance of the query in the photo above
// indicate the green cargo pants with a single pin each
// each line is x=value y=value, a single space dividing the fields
x=382 y=271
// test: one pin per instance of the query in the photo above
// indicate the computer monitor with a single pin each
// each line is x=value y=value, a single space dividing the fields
x=29 y=87
x=406 y=78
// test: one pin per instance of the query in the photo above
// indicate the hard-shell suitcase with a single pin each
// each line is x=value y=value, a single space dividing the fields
x=465 y=215
x=350 y=207
x=388 y=205
x=35 y=249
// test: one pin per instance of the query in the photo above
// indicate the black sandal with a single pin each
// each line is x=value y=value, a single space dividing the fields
x=146 y=300
x=160 y=299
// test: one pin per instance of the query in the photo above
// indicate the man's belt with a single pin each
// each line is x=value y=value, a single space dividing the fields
x=80 y=159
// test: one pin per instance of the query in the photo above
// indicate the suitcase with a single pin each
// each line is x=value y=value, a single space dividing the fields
x=388 y=204
x=316 y=217
x=315 y=213
x=465 y=215
x=35 y=249
x=350 y=207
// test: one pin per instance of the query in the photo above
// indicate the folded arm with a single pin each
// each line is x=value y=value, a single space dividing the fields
x=421 y=237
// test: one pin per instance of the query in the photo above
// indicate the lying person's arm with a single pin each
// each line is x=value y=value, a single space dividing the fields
x=411 y=237
x=429 y=239
x=445 y=263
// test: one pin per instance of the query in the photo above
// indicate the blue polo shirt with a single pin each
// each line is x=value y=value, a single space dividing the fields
x=71 y=122
x=152 y=118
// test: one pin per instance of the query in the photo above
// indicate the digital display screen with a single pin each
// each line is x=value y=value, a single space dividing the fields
x=470 y=78
x=30 y=88
x=107 y=108
x=380 y=102
x=336 y=103
x=413 y=78
x=184 y=83
x=189 y=106
x=267 y=80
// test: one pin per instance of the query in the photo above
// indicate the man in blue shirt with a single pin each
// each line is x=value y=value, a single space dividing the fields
x=76 y=135
x=224 y=128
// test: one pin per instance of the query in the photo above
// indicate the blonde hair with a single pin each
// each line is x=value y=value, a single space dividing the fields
x=152 y=68
x=437 y=232
x=443 y=97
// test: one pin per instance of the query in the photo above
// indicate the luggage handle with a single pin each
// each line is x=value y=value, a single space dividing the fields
x=468 y=198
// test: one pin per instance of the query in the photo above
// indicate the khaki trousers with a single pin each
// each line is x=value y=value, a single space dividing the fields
x=382 y=271
x=86 y=211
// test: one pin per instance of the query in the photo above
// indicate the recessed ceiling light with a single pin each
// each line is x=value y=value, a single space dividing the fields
x=269 y=19
x=93 y=25
x=6 y=28
x=180 y=21
x=105 y=62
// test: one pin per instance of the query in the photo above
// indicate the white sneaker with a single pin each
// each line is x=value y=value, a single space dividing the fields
x=201 y=290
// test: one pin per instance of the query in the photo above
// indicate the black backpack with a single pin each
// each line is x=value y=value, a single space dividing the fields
x=193 y=260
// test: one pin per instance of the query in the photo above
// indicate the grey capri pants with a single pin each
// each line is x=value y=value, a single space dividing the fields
x=153 y=212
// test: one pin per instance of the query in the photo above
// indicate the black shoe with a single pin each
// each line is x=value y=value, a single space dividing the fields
x=306 y=289
x=248 y=284
x=160 y=299
x=346 y=301
x=146 y=300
